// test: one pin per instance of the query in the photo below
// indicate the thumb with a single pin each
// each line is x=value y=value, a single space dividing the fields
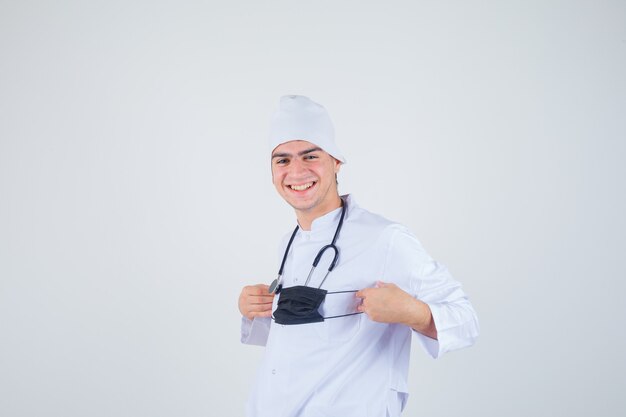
x=381 y=284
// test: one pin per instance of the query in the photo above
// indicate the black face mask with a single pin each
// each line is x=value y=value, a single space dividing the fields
x=299 y=305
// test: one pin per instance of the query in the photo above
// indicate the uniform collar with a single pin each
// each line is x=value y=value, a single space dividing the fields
x=330 y=219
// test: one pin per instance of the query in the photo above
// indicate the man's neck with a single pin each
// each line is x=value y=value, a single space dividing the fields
x=306 y=218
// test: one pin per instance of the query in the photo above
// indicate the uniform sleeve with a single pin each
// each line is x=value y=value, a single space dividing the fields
x=410 y=267
x=255 y=332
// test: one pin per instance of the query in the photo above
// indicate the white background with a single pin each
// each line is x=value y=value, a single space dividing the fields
x=135 y=193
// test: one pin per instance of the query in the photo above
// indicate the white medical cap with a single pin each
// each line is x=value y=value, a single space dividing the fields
x=300 y=118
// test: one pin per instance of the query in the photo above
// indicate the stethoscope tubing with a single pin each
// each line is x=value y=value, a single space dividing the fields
x=277 y=283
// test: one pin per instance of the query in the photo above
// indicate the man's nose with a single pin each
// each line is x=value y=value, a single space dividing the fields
x=297 y=168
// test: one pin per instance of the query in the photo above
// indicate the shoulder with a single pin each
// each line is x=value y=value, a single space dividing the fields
x=375 y=226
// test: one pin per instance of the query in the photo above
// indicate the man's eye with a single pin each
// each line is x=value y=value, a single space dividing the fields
x=281 y=161
x=310 y=157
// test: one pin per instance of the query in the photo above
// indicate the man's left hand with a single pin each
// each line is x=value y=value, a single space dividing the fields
x=388 y=303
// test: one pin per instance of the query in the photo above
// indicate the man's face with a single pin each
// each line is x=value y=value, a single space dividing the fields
x=304 y=175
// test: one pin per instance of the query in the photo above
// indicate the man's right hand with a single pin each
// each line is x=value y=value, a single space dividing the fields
x=256 y=301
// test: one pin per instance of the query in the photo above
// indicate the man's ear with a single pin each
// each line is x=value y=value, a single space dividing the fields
x=337 y=165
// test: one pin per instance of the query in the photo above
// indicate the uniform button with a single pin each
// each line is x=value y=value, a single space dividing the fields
x=273 y=371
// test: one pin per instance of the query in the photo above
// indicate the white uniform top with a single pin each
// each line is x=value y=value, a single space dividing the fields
x=352 y=366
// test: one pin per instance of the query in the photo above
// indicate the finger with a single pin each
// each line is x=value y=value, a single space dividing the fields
x=264 y=288
x=259 y=289
x=264 y=313
x=261 y=299
x=261 y=314
x=363 y=293
x=259 y=307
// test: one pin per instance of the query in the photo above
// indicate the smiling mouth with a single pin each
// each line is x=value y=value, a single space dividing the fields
x=302 y=187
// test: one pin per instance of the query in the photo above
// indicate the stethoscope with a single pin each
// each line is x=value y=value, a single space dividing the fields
x=277 y=284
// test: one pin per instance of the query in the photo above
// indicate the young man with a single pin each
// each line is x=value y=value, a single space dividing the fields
x=337 y=336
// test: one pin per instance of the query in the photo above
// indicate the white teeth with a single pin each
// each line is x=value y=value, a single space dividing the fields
x=301 y=187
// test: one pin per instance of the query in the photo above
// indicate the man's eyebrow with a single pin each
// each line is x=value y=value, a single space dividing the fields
x=309 y=151
x=287 y=155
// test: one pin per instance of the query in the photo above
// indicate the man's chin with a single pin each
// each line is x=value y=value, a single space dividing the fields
x=302 y=207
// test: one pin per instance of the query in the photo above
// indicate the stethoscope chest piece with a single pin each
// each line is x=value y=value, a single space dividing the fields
x=275 y=286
